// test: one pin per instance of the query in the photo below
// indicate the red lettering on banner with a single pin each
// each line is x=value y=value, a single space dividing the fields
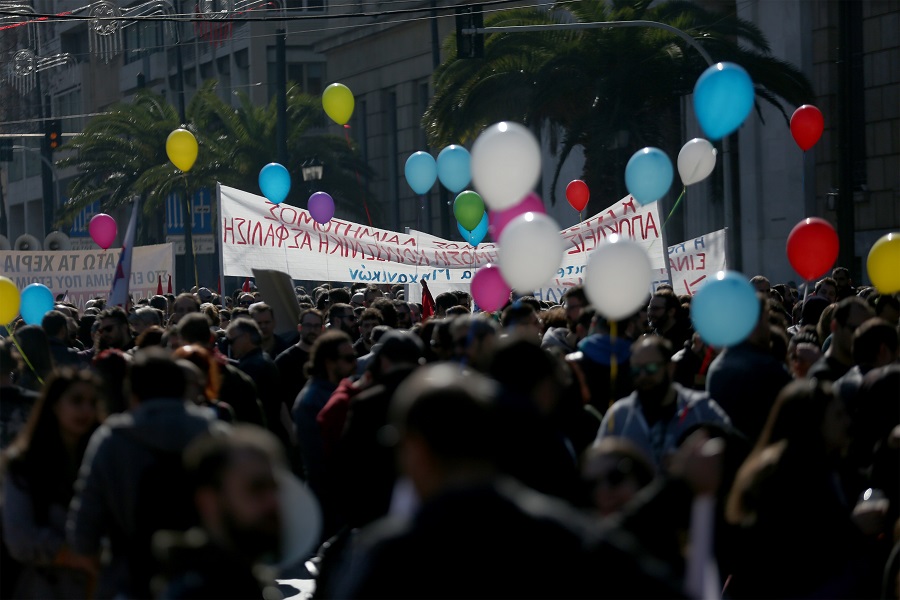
x=272 y=208
x=254 y=232
x=629 y=204
x=622 y=225
x=307 y=241
x=323 y=243
x=227 y=225
x=243 y=241
x=270 y=235
x=293 y=219
x=651 y=224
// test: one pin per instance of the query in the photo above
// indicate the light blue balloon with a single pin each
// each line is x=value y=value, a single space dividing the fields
x=274 y=182
x=421 y=172
x=648 y=175
x=454 y=168
x=476 y=236
x=723 y=97
x=37 y=300
x=725 y=310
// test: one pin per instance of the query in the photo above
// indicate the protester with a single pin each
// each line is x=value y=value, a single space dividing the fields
x=838 y=358
x=664 y=315
x=40 y=468
x=128 y=486
x=234 y=490
x=369 y=319
x=790 y=503
x=615 y=471
x=245 y=343
x=656 y=415
x=31 y=350
x=17 y=401
x=272 y=344
x=184 y=304
x=292 y=362
x=745 y=379
x=56 y=326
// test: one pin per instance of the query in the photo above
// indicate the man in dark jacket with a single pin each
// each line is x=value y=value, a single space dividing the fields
x=56 y=325
x=113 y=495
x=245 y=340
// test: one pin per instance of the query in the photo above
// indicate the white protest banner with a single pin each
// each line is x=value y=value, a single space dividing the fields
x=86 y=274
x=693 y=262
x=259 y=234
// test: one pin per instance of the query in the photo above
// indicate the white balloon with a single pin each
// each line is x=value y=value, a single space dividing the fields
x=617 y=278
x=506 y=164
x=530 y=252
x=696 y=161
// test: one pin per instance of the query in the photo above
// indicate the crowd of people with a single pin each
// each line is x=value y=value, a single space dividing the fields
x=539 y=451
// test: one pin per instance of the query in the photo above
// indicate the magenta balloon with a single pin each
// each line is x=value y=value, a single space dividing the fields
x=489 y=289
x=103 y=230
x=499 y=219
x=321 y=207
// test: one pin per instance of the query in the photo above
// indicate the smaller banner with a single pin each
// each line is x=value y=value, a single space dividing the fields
x=86 y=274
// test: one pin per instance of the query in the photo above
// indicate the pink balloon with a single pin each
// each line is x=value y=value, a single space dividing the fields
x=103 y=230
x=489 y=289
x=499 y=219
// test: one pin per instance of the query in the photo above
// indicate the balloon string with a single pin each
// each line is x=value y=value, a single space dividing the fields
x=613 y=363
x=358 y=182
x=671 y=212
x=12 y=336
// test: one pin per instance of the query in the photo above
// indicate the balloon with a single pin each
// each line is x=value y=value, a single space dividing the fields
x=181 y=147
x=648 y=175
x=274 y=182
x=37 y=300
x=468 y=208
x=807 y=124
x=883 y=264
x=499 y=219
x=489 y=290
x=454 y=168
x=696 y=161
x=812 y=247
x=506 y=164
x=723 y=97
x=103 y=230
x=725 y=310
x=321 y=207
x=617 y=277
x=9 y=300
x=475 y=236
x=421 y=172
x=577 y=194
x=530 y=252
x=338 y=102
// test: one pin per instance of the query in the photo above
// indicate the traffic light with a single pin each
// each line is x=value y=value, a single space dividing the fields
x=469 y=45
x=53 y=135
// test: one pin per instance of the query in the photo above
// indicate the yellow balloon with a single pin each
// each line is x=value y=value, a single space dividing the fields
x=337 y=100
x=9 y=300
x=181 y=146
x=883 y=264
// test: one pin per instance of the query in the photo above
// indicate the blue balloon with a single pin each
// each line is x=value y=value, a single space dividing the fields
x=723 y=97
x=648 y=175
x=454 y=168
x=476 y=236
x=725 y=310
x=37 y=300
x=274 y=182
x=421 y=172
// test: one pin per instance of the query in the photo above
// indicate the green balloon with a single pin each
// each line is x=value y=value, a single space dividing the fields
x=468 y=208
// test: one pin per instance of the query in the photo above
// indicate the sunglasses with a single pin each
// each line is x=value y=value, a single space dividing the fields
x=649 y=369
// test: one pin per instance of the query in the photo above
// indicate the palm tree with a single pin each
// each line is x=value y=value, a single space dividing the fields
x=122 y=153
x=611 y=91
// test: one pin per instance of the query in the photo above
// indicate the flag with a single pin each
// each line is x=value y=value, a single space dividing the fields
x=427 y=301
x=246 y=286
x=169 y=291
x=159 y=285
x=118 y=295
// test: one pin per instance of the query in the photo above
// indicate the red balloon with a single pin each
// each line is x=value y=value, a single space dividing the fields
x=812 y=247
x=807 y=124
x=577 y=194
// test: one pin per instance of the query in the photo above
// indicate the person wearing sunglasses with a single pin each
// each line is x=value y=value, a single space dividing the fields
x=656 y=415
